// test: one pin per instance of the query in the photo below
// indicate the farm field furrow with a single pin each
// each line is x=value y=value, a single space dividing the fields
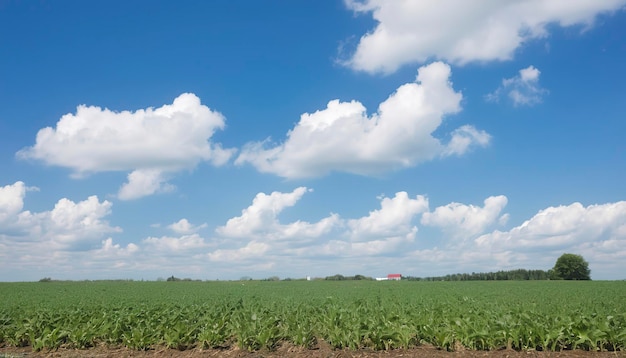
x=258 y=315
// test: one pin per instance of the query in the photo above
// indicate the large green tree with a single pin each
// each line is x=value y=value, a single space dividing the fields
x=572 y=267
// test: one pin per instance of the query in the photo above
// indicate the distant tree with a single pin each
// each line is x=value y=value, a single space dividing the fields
x=572 y=267
x=552 y=275
x=336 y=277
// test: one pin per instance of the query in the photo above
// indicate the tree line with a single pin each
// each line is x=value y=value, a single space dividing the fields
x=512 y=275
x=567 y=267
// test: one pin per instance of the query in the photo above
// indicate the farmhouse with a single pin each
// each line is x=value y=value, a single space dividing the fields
x=394 y=276
x=391 y=276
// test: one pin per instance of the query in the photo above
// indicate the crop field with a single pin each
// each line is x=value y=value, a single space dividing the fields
x=258 y=315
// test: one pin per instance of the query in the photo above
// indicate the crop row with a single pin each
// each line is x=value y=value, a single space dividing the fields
x=360 y=324
x=385 y=319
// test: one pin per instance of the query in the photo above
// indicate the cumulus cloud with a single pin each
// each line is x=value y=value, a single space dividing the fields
x=143 y=183
x=460 y=31
x=109 y=249
x=598 y=232
x=394 y=218
x=464 y=221
x=463 y=138
x=69 y=225
x=11 y=200
x=149 y=143
x=253 y=249
x=564 y=226
x=110 y=260
x=184 y=227
x=342 y=137
x=261 y=219
x=381 y=232
x=378 y=247
x=72 y=223
x=522 y=90
x=169 y=244
x=72 y=240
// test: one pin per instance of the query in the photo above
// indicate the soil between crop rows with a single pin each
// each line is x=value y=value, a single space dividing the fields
x=322 y=350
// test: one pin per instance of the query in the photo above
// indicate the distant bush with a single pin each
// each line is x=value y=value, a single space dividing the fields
x=336 y=277
x=339 y=277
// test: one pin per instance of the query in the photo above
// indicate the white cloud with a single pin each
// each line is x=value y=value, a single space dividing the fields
x=109 y=250
x=68 y=226
x=252 y=250
x=464 y=221
x=381 y=231
x=392 y=219
x=563 y=227
x=71 y=223
x=108 y=261
x=184 y=227
x=463 y=138
x=459 y=31
x=522 y=90
x=150 y=143
x=168 y=244
x=260 y=220
x=143 y=183
x=391 y=246
x=597 y=232
x=342 y=137
x=71 y=240
x=301 y=230
x=11 y=200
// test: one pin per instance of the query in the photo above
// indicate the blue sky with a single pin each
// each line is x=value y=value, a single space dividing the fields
x=222 y=139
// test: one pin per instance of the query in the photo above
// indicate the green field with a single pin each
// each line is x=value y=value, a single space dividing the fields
x=542 y=315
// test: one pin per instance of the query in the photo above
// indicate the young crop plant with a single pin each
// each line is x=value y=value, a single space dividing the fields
x=82 y=337
x=213 y=336
x=138 y=338
x=255 y=327
x=181 y=336
x=50 y=338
